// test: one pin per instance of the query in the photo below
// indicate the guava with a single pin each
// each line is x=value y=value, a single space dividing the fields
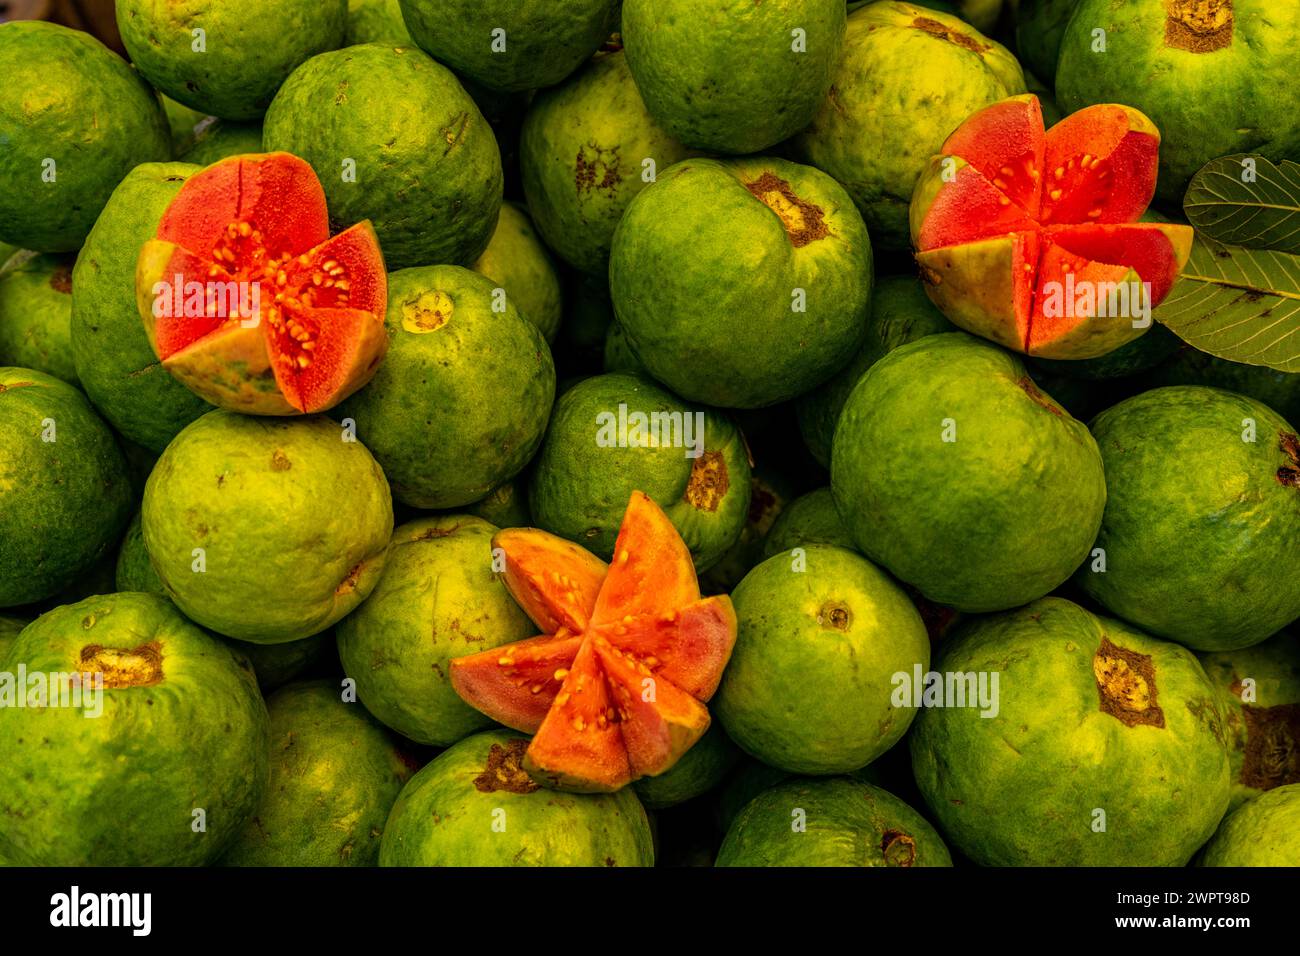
x=586 y=148
x=741 y=282
x=417 y=157
x=955 y=472
x=243 y=522
x=36 y=315
x=438 y=598
x=505 y=506
x=461 y=401
x=1280 y=391
x=611 y=434
x=769 y=491
x=133 y=571
x=508 y=45
x=227 y=59
x=1097 y=746
x=900 y=313
x=618 y=355
x=475 y=805
x=335 y=773
x=835 y=822
x=181 y=120
x=1040 y=25
x=176 y=739
x=74 y=119
x=64 y=492
x=701 y=769
x=1201 y=517
x=518 y=260
x=1215 y=75
x=115 y=363
x=376 y=21
x=216 y=139
x=1263 y=832
x=820 y=637
x=808 y=519
x=730 y=77
x=908 y=77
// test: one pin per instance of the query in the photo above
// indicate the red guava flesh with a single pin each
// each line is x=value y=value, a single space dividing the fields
x=260 y=221
x=615 y=691
x=1022 y=234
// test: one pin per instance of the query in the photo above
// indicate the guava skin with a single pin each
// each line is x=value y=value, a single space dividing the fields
x=518 y=260
x=1280 y=391
x=249 y=48
x=908 y=78
x=65 y=496
x=280 y=561
x=181 y=120
x=334 y=774
x=724 y=75
x=460 y=403
x=115 y=363
x=445 y=815
x=133 y=571
x=543 y=42
x=618 y=355
x=819 y=638
x=1201 y=523
x=1040 y=25
x=1092 y=718
x=10 y=628
x=437 y=599
x=1263 y=832
x=505 y=506
x=376 y=21
x=954 y=471
x=183 y=729
x=809 y=519
x=36 y=315
x=579 y=488
x=582 y=152
x=698 y=771
x=427 y=170
x=741 y=283
x=217 y=139
x=1216 y=78
x=848 y=823
x=74 y=119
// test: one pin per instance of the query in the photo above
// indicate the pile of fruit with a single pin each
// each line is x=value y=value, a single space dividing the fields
x=634 y=432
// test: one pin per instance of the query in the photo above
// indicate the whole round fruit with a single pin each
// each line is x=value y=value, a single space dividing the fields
x=733 y=77
x=809 y=519
x=811 y=683
x=518 y=260
x=74 y=119
x=36 y=315
x=177 y=743
x=742 y=282
x=1202 y=515
x=954 y=471
x=1263 y=832
x=1278 y=390
x=1040 y=24
x=244 y=524
x=64 y=492
x=475 y=805
x=133 y=571
x=376 y=21
x=1099 y=745
x=701 y=769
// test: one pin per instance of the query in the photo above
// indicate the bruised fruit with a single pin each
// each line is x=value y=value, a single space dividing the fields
x=1028 y=237
x=1263 y=832
x=36 y=314
x=248 y=300
x=614 y=691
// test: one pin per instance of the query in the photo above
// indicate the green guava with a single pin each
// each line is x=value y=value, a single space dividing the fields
x=1040 y=24
x=1215 y=76
x=1202 y=517
x=36 y=315
x=909 y=77
x=227 y=59
x=808 y=519
x=505 y=506
x=64 y=492
x=769 y=491
x=1259 y=688
x=733 y=77
x=402 y=145
x=835 y=822
x=742 y=282
x=1263 y=832
x=518 y=260
x=509 y=45
x=954 y=471
x=181 y=120
x=115 y=363
x=586 y=148
x=74 y=119
x=611 y=435
x=901 y=312
x=1097 y=746
x=437 y=599
x=172 y=762
x=618 y=356
x=376 y=21
x=133 y=572
x=701 y=769
x=335 y=773
x=475 y=805
x=244 y=523
x=216 y=139
x=1280 y=391
x=460 y=403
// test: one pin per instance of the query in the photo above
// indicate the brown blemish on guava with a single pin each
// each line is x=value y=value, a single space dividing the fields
x=1272 y=757
x=937 y=29
x=835 y=615
x=708 y=483
x=1198 y=26
x=454 y=133
x=428 y=312
x=1126 y=684
x=349 y=582
x=505 y=770
x=929 y=275
x=137 y=667
x=898 y=848
x=1037 y=395
x=596 y=167
x=428 y=534
x=61 y=280
x=1289 y=474
x=280 y=461
x=804 y=222
x=5 y=388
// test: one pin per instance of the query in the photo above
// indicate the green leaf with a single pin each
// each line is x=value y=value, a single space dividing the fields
x=1263 y=214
